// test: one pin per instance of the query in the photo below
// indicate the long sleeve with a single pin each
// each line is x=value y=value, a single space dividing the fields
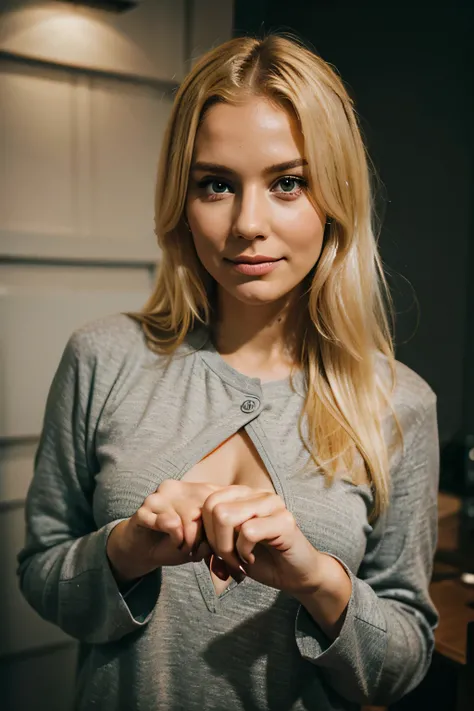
x=63 y=568
x=385 y=645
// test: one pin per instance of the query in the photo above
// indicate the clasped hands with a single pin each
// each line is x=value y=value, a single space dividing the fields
x=250 y=530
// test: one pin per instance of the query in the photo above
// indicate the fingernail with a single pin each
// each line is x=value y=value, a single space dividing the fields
x=239 y=575
x=219 y=568
x=245 y=562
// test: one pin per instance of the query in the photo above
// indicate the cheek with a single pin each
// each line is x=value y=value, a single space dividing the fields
x=208 y=227
x=208 y=247
x=200 y=237
x=304 y=234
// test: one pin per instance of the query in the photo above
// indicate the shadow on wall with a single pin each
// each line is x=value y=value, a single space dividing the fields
x=38 y=673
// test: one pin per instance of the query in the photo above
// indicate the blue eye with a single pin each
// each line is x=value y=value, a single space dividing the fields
x=291 y=185
x=213 y=186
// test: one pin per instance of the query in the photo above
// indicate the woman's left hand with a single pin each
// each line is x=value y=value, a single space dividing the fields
x=254 y=529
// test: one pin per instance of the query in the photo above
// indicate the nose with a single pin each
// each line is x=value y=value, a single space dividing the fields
x=250 y=217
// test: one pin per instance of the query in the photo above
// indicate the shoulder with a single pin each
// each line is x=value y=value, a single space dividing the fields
x=412 y=401
x=105 y=346
x=411 y=431
x=113 y=349
x=411 y=394
x=108 y=336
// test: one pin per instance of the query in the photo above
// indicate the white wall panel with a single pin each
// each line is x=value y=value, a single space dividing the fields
x=34 y=328
x=126 y=129
x=95 y=145
x=37 y=129
x=145 y=42
x=30 y=246
x=16 y=470
x=75 y=276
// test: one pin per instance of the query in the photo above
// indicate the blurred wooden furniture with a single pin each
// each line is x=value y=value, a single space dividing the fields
x=465 y=700
x=449 y=684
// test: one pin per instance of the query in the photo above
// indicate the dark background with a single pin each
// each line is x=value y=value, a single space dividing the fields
x=409 y=68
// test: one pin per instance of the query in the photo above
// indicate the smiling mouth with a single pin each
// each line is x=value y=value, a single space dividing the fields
x=257 y=266
x=257 y=259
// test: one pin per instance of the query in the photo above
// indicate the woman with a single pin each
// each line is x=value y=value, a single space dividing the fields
x=234 y=500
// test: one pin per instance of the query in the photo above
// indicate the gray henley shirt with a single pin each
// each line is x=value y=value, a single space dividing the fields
x=121 y=419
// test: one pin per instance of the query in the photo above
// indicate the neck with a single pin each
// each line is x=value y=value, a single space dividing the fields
x=260 y=341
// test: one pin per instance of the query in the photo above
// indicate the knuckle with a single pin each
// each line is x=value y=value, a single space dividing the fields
x=206 y=491
x=288 y=519
x=148 y=502
x=276 y=498
x=167 y=486
x=141 y=514
x=248 y=531
x=208 y=506
x=225 y=551
x=221 y=514
x=244 y=489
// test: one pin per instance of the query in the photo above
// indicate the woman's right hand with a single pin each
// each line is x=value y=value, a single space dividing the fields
x=166 y=530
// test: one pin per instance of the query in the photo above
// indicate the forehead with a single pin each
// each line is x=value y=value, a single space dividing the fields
x=255 y=128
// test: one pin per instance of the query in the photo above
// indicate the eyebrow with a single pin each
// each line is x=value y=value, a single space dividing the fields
x=270 y=170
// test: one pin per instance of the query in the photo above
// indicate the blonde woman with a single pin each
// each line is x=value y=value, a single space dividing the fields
x=234 y=500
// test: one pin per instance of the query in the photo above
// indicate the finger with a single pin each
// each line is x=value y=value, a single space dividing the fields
x=224 y=494
x=158 y=514
x=229 y=515
x=221 y=536
x=193 y=533
x=166 y=523
x=201 y=536
x=201 y=552
x=277 y=530
x=219 y=567
x=183 y=534
x=190 y=512
x=153 y=506
x=189 y=529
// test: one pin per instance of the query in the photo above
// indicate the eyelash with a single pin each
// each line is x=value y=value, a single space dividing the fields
x=302 y=183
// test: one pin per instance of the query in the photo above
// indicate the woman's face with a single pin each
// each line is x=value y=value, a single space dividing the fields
x=253 y=225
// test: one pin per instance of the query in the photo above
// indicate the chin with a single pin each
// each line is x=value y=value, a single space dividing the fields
x=258 y=293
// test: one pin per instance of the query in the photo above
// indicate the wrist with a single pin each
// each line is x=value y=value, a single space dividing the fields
x=323 y=575
x=328 y=576
x=121 y=559
x=326 y=597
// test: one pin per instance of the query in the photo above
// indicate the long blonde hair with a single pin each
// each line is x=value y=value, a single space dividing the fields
x=346 y=326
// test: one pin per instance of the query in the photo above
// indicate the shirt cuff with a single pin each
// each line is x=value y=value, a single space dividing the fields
x=354 y=660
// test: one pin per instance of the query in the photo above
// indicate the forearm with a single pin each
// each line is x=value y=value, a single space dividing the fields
x=70 y=585
x=327 y=598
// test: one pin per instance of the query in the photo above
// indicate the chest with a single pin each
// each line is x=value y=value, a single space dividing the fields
x=334 y=518
x=235 y=461
x=208 y=430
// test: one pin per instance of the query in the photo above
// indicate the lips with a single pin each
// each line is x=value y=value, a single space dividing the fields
x=255 y=259
x=255 y=266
